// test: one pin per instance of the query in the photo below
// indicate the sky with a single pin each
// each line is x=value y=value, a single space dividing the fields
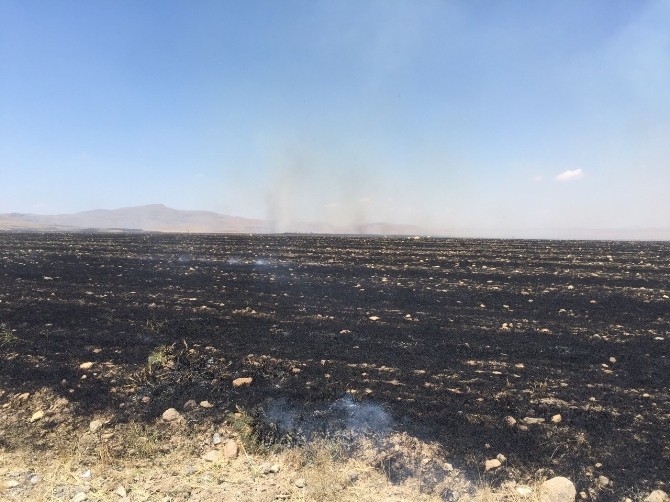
x=506 y=118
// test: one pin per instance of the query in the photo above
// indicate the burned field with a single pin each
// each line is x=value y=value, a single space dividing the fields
x=450 y=337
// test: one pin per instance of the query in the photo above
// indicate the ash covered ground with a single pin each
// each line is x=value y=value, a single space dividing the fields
x=444 y=339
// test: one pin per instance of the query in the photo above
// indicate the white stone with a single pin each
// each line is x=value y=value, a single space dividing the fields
x=86 y=366
x=36 y=416
x=95 y=425
x=230 y=449
x=524 y=491
x=491 y=464
x=558 y=489
x=171 y=415
x=657 y=496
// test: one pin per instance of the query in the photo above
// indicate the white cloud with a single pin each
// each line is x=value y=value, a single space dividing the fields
x=569 y=175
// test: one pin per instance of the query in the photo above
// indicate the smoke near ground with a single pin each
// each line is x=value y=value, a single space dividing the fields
x=343 y=417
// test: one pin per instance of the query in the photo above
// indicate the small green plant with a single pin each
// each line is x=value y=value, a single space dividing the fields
x=159 y=358
x=7 y=336
x=242 y=423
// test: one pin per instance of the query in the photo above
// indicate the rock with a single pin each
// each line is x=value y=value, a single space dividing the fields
x=216 y=438
x=603 y=480
x=267 y=468
x=190 y=404
x=37 y=415
x=612 y=360
x=12 y=483
x=510 y=421
x=95 y=425
x=79 y=497
x=523 y=491
x=86 y=366
x=501 y=457
x=206 y=404
x=494 y=463
x=242 y=382
x=558 y=489
x=533 y=420
x=87 y=474
x=657 y=496
x=23 y=397
x=556 y=419
x=121 y=491
x=212 y=456
x=230 y=449
x=171 y=415
x=300 y=482
x=374 y=318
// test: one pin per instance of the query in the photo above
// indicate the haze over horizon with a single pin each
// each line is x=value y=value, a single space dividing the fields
x=506 y=117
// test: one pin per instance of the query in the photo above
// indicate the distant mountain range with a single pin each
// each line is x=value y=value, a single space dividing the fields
x=160 y=218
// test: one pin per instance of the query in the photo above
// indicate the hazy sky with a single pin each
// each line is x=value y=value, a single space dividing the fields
x=510 y=117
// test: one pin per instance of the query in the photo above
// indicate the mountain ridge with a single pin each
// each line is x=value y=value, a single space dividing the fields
x=161 y=218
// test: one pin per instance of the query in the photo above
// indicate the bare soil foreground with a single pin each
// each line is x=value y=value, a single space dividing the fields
x=419 y=358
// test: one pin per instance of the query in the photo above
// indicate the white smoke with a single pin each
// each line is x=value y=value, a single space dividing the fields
x=344 y=417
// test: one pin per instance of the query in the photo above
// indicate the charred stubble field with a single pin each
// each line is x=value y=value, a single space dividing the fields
x=451 y=337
